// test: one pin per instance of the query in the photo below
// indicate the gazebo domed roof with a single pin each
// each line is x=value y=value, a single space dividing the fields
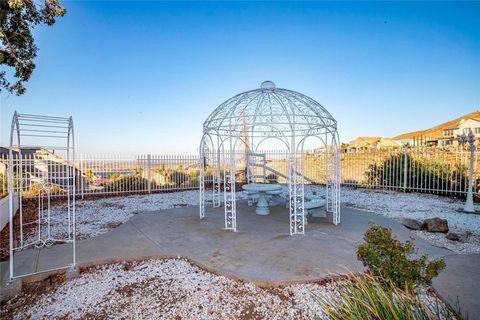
x=270 y=111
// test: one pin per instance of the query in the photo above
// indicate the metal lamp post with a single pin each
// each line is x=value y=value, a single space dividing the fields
x=463 y=140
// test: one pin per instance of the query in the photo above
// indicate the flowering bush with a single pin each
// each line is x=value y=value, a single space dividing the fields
x=388 y=258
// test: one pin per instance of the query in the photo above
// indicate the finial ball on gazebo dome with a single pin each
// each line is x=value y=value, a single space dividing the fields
x=267 y=86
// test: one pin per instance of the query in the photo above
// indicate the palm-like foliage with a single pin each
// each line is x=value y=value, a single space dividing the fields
x=364 y=297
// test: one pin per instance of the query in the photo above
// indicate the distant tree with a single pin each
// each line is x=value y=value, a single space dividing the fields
x=115 y=176
x=344 y=146
x=17 y=46
x=89 y=175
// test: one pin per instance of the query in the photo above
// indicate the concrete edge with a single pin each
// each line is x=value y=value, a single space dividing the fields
x=455 y=309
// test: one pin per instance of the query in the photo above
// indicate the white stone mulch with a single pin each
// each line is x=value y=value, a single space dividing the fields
x=175 y=289
x=469 y=242
x=399 y=205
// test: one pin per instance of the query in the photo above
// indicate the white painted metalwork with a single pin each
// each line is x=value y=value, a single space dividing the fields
x=42 y=153
x=249 y=119
x=428 y=170
x=470 y=140
x=256 y=167
x=420 y=169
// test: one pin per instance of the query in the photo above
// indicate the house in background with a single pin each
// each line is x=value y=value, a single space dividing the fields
x=450 y=134
x=39 y=165
x=445 y=134
x=377 y=143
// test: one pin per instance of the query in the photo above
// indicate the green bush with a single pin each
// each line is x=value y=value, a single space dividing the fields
x=128 y=183
x=3 y=185
x=272 y=178
x=364 y=297
x=116 y=176
x=178 y=177
x=388 y=258
x=422 y=173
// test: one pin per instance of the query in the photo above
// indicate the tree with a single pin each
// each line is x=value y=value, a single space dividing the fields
x=17 y=46
x=344 y=146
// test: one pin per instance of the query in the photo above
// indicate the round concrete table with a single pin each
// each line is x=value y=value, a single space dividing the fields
x=261 y=189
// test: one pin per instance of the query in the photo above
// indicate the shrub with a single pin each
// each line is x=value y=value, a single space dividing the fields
x=272 y=178
x=89 y=176
x=365 y=297
x=178 y=177
x=128 y=183
x=3 y=185
x=116 y=176
x=422 y=173
x=388 y=258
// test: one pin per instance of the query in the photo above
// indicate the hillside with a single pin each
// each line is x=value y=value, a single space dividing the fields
x=437 y=131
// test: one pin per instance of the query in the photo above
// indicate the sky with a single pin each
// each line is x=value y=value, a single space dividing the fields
x=142 y=77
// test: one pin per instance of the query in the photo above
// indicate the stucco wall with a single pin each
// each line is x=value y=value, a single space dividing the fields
x=4 y=210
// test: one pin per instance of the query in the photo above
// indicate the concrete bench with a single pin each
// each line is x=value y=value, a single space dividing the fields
x=314 y=203
x=252 y=197
x=275 y=197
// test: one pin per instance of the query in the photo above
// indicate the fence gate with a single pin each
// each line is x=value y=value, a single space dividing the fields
x=41 y=171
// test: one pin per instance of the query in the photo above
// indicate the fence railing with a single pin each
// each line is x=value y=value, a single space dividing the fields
x=108 y=174
x=429 y=170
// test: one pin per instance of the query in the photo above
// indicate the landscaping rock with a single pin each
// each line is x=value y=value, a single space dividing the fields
x=453 y=236
x=412 y=224
x=436 y=225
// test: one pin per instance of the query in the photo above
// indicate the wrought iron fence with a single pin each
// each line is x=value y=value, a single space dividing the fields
x=430 y=170
x=109 y=174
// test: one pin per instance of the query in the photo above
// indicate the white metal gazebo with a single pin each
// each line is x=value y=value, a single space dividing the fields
x=253 y=117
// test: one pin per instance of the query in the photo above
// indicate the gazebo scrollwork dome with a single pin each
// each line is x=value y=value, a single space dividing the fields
x=270 y=111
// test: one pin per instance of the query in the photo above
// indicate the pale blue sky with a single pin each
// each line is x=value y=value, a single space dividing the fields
x=143 y=76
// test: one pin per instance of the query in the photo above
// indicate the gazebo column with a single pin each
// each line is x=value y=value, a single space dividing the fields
x=216 y=175
x=296 y=187
x=202 y=179
x=229 y=188
x=336 y=181
x=332 y=165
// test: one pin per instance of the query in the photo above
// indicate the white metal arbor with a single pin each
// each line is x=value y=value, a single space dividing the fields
x=41 y=158
x=249 y=119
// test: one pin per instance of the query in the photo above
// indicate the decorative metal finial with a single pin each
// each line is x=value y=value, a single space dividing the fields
x=268 y=86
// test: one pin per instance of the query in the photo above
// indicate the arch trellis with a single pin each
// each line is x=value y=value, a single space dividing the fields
x=41 y=159
x=254 y=116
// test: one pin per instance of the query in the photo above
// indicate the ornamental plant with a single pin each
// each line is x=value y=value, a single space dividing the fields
x=365 y=297
x=388 y=259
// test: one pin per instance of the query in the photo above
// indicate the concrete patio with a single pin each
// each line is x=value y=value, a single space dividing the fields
x=261 y=251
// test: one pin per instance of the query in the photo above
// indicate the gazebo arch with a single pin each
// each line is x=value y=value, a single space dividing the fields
x=41 y=154
x=258 y=115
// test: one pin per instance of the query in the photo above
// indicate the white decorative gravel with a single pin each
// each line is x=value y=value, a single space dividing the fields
x=400 y=205
x=171 y=289
x=175 y=289
x=469 y=243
